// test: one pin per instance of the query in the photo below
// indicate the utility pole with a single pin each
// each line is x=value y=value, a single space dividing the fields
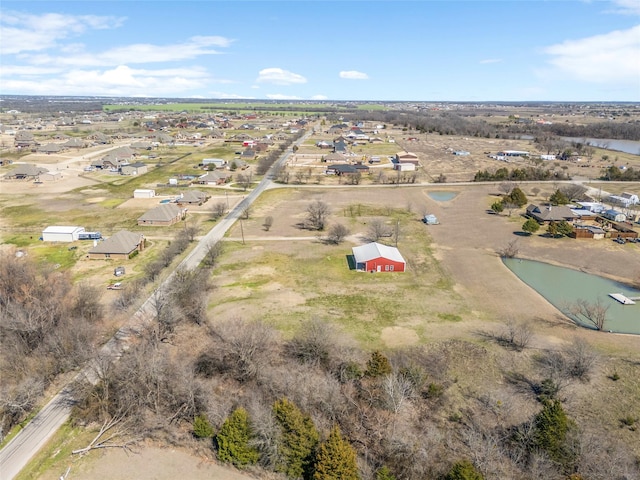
x=242 y=231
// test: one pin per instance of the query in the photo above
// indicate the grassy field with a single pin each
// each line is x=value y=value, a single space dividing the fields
x=291 y=109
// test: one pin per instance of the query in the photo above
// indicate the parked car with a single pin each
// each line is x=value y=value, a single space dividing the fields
x=620 y=240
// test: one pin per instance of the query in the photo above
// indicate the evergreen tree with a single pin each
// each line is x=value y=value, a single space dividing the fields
x=298 y=440
x=497 y=207
x=233 y=440
x=336 y=459
x=551 y=432
x=516 y=197
x=559 y=229
x=202 y=428
x=530 y=226
x=378 y=365
x=558 y=198
x=463 y=470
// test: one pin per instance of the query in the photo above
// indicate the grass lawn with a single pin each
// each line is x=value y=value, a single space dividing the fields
x=286 y=282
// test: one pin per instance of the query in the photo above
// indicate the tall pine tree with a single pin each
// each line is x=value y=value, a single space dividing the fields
x=552 y=429
x=336 y=459
x=298 y=440
x=233 y=440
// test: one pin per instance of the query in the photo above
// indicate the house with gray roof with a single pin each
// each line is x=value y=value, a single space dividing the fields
x=549 y=213
x=121 y=246
x=74 y=143
x=50 y=148
x=137 y=168
x=163 y=215
x=24 y=139
x=25 y=171
x=213 y=178
x=192 y=197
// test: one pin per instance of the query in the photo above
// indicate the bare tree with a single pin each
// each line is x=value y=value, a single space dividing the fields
x=242 y=349
x=337 y=233
x=317 y=213
x=314 y=343
x=516 y=334
x=213 y=252
x=507 y=186
x=592 y=313
x=244 y=181
x=218 y=210
x=510 y=207
x=581 y=359
x=510 y=250
x=396 y=392
x=378 y=229
x=574 y=191
x=190 y=232
x=268 y=222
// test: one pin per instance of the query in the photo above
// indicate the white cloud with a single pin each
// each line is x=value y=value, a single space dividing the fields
x=279 y=96
x=353 y=75
x=490 y=60
x=601 y=58
x=23 y=70
x=121 y=81
x=227 y=95
x=22 y=32
x=134 y=54
x=278 y=76
x=319 y=97
x=626 y=7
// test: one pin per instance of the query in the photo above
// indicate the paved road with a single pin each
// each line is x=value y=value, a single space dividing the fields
x=19 y=451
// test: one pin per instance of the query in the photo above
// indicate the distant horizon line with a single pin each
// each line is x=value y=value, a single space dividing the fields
x=301 y=101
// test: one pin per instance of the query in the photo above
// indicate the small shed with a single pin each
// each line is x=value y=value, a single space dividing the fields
x=144 y=193
x=376 y=257
x=57 y=233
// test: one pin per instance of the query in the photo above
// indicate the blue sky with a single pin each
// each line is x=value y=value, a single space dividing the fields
x=474 y=50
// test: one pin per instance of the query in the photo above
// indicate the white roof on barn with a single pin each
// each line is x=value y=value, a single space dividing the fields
x=62 y=229
x=374 y=250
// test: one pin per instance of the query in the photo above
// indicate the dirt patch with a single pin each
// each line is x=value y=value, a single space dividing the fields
x=399 y=337
x=149 y=462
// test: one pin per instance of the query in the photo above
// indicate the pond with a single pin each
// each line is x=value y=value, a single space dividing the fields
x=442 y=196
x=565 y=287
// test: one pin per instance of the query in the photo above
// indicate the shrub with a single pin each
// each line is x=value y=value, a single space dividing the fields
x=202 y=428
x=463 y=470
x=378 y=365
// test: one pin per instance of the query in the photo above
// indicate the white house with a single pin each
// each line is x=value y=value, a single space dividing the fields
x=627 y=199
x=61 y=233
x=594 y=207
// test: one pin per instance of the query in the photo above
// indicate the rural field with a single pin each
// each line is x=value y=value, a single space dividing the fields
x=454 y=301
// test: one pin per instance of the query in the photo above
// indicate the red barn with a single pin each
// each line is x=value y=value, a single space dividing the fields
x=375 y=257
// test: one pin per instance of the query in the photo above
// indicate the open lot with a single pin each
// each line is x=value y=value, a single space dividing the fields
x=454 y=274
